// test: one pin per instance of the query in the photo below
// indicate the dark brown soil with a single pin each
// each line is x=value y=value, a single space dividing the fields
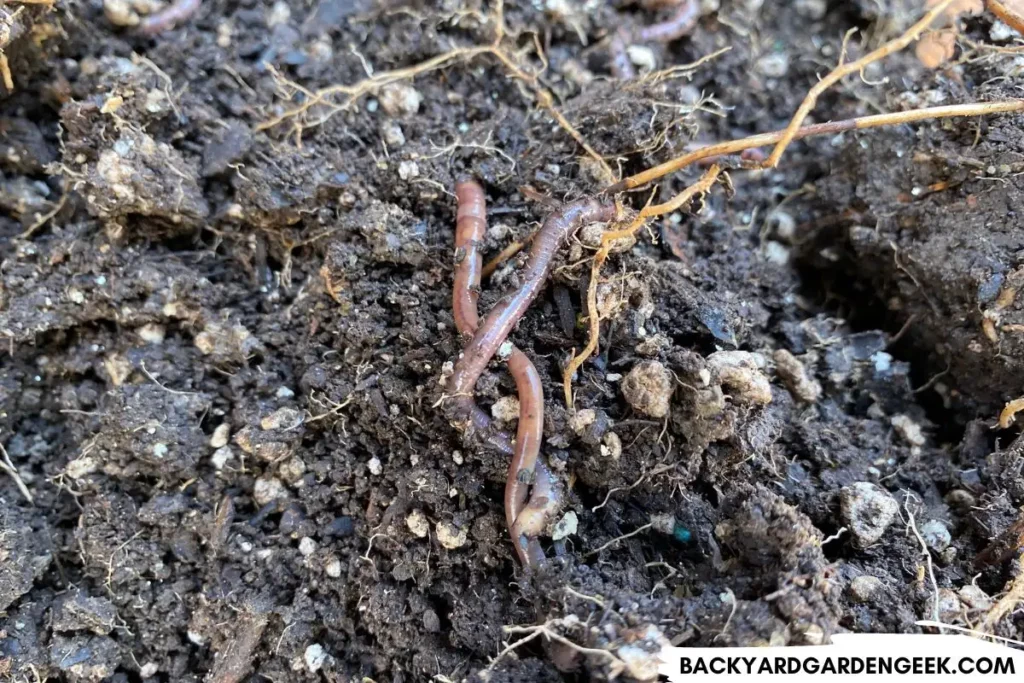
x=222 y=351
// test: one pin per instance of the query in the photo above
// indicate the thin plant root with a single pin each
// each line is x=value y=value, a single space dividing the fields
x=607 y=242
x=1005 y=605
x=351 y=93
x=843 y=70
x=830 y=128
x=1006 y=417
x=504 y=255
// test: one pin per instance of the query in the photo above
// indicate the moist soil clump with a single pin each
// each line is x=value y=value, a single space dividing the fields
x=226 y=327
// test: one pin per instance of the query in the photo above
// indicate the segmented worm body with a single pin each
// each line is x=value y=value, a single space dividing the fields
x=175 y=14
x=526 y=520
x=681 y=23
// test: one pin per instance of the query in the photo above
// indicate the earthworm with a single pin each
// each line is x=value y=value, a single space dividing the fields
x=173 y=15
x=682 y=21
x=495 y=328
x=675 y=27
x=470 y=225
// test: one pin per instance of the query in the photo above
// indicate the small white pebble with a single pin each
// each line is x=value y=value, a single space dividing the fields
x=408 y=169
x=282 y=418
x=307 y=546
x=268 y=489
x=315 y=656
x=457 y=457
x=152 y=333
x=417 y=523
x=284 y=392
x=450 y=536
x=505 y=350
x=505 y=409
x=245 y=546
x=375 y=466
x=333 y=567
x=221 y=457
x=160 y=450
x=149 y=669
x=565 y=527
x=221 y=435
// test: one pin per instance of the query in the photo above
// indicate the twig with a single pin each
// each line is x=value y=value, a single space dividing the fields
x=42 y=219
x=830 y=128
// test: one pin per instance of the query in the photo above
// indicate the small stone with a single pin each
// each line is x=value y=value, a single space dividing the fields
x=776 y=252
x=408 y=170
x=399 y=99
x=611 y=446
x=268 y=489
x=565 y=527
x=936 y=535
x=975 y=598
x=418 y=524
x=307 y=546
x=160 y=450
x=332 y=567
x=221 y=457
x=220 y=436
x=642 y=57
x=81 y=467
x=664 y=523
x=950 y=607
x=1001 y=32
x=315 y=656
x=282 y=418
x=450 y=536
x=120 y=12
x=152 y=333
x=865 y=589
x=910 y=431
x=648 y=388
x=284 y=393
x=794 y=376
x=431 y=622
x=740 y=372
x=867 y=511
x=341 y=527
x=457 y=457
x=393 y=135
x=774 y=65
x=505 y=409
x=375 y=466
x=581 y=419
x=149 y=669
x=292 y=470
x=654 y=345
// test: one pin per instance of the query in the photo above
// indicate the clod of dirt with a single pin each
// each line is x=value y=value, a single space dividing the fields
x=740 y=372
x=936 y=535
x=400 y=100
x=227 y=342
x=267 y=490
x=228 y=147
x=909 y=429
x=505 y=409
x=315 y=657
x=22 y=556
x=79 y=612
x=865 y=589
x=794 y=375
x=418 y=524
x=394 y=234
x=450 y=536
x=135 y=176
x=867 y=511
x=85 y=658
x=648 y=388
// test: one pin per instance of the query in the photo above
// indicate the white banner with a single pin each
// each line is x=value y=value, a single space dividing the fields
x=852 y=658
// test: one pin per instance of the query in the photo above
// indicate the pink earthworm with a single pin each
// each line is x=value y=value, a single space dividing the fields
x=175 y=14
